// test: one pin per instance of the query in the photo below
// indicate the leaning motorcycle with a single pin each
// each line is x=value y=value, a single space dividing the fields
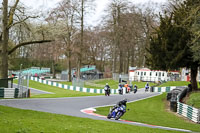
x=117 y=112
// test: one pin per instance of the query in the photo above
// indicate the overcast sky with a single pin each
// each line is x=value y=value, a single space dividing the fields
x=42 y=5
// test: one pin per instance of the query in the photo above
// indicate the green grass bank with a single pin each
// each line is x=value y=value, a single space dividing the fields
x=25 y=121
x=154 y=111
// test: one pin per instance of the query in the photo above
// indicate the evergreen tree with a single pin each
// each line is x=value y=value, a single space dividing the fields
x=170 y=46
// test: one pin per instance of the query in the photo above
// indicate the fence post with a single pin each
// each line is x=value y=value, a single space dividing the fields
x=198 y=119
x=27 y=91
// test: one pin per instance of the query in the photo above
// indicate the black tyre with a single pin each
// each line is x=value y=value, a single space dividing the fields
x=109 y=116
x=119 y=114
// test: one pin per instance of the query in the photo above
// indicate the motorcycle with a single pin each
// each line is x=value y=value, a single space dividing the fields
x=120 y=91
x=107 y=92
x=146 y=88
x=117 y=112
x=135 y=90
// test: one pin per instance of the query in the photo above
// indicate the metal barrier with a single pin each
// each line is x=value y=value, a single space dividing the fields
x=23 y=85
x=73 y=88
x=175 y=96
x=9 y=92
x=188 y=111
x=162 y=89
x=185 y=110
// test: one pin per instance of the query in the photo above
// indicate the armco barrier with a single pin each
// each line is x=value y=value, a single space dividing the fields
x=9 y=92
x=189 y=112
x=163 y=89
x=74 y=88
x=185 y=110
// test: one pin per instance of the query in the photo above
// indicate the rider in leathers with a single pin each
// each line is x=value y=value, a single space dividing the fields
x=120 y=103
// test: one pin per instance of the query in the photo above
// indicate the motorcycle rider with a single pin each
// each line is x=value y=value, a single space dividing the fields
x=107 y=90
x=120 y=103
x=147 y=87
x=126 y=86
x=120 y=89
x=135 y=88
x=118 y=110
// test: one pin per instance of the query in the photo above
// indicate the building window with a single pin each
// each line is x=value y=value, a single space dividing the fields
x=144 y=73
x=150 y=73
x=138 y=73
x=163 y=74
x=156 y=74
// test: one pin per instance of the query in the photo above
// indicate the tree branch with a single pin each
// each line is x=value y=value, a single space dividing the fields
x=26 y=43
x=21 y=21
x=11 y=13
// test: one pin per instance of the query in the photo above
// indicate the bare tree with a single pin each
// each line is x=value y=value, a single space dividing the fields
x=67 y=14
x=8 y=22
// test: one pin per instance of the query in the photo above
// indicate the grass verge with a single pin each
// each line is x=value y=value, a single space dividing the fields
x=153 y=111
x=142 y=84
x=25 y=121
x=175 y=83
x=112 y=83
x=194 y=99
x=58 y=92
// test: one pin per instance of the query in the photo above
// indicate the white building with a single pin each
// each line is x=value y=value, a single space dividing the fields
x=186 y=75
x=145 y=74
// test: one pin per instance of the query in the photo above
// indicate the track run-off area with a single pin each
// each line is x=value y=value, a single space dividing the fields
x=83 y=106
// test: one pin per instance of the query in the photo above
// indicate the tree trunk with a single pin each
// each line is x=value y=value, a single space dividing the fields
x=120 y=61
x=194 y=70
x=127 y=67
x=114 y=60
x=53 y=69
x=4 y=52
x=78 y=75
x=81 y=47
x=132 y=57
x=70 y=67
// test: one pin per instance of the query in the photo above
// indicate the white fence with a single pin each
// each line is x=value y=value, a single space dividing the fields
x=9 y=92
x=189 y=112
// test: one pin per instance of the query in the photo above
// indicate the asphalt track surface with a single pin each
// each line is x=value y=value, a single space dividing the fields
x=74 y=105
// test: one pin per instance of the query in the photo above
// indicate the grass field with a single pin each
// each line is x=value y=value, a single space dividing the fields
x=58 y=92
x=66 y=83
x=153 y=111
x=25 y=121
x=86 y=86
x=112 y=83
x=194 y=100
x=174 y=83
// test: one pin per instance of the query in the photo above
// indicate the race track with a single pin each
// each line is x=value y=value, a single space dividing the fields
x=72 y=106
